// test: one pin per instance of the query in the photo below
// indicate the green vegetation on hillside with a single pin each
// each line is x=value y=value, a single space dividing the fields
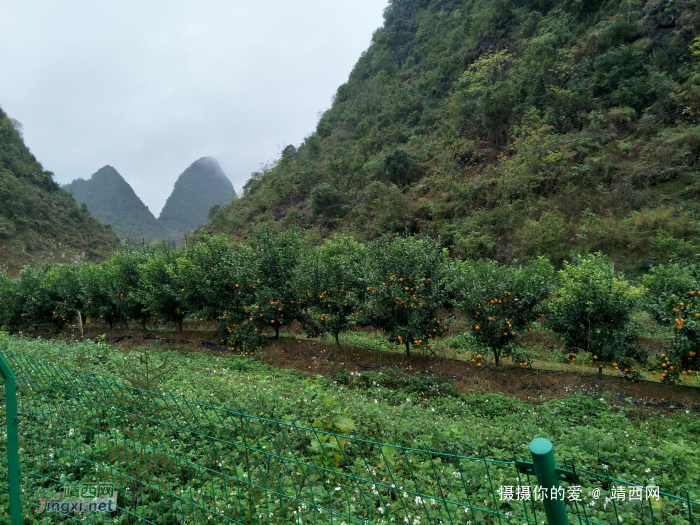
x=200 y=187
x=38 y=219
x=510 y=129
x=112 y=200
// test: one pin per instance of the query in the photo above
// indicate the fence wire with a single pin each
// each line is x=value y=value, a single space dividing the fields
x=176 y=461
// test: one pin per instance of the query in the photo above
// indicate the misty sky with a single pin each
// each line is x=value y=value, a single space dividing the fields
x=150 y=86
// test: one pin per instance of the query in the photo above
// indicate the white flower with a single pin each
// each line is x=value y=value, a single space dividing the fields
x=647 y=470
x=418 y=500
x=381 y=509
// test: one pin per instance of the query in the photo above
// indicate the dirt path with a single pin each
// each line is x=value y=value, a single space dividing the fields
x=318 y=357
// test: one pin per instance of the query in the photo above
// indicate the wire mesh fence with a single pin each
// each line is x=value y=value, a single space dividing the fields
x=175 y=461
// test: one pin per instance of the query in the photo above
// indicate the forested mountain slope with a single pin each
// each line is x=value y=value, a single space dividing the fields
x=202 y=185
x=509 y=128
x=113 y=201
x=38 y=219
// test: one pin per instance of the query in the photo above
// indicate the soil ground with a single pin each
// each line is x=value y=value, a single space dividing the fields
x=321 y=357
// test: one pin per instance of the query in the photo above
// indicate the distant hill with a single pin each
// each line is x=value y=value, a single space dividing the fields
x=112 y=200
x=196 y=190
x=507 y=129
x=38 y=219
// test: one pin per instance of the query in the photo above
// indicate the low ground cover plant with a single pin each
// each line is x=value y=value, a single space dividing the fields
x=415 y=411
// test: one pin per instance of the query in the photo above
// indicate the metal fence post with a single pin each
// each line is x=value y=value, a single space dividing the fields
x=12 y=441
x=545 y=470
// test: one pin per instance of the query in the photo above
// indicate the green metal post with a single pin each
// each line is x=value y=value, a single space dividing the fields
x=545 y=470
x=12 y=441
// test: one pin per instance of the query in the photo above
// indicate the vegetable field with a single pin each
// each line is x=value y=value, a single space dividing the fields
x=264 y=445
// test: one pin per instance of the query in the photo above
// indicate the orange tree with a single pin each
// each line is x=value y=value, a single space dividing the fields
x=666 y=286
x=276 y=302
x=122 y=280
x=218 y=281
x=100 y=305
x=683 y=358
x=160 y=285
x=37 y=300
x=9 y=302
x=500 y=301
x=591 y=309
x=64 y=285
x=406 y=290
x=331 y=285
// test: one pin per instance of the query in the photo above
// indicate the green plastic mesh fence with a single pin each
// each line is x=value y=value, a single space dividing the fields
x=175 y=461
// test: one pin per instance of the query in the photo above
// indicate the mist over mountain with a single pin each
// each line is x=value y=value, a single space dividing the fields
x=202 y=185
x=38 y=219
x=113 y=201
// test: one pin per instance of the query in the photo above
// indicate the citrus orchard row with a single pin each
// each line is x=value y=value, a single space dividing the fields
x=407 y=288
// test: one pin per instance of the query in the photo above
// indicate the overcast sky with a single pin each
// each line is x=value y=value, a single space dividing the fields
x=150 y=86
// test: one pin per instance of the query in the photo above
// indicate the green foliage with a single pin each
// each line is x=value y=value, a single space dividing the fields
x=593 y=430
x=99 y=301
x=405 y=278
x=332 y=281
x=272 y=302
x=683 y=357
x=508 y=130
x=591 y=310
x=37 y=218
x=218 y=282
x=64 y=283
x=666 y=286
x=397 y=167
x=123 y=279
x=326 y=200
x=500 y=301
x=160 y=285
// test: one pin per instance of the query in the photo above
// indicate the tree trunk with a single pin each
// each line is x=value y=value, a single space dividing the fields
x=277 y=331
x=408 y=349
x=337 y=339
x=179 y=322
